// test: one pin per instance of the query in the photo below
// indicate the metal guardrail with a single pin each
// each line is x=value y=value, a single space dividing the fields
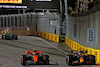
x=90 y=11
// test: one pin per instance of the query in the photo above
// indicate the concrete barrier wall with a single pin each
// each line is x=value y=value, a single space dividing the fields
x=32 y=23
x=24 y=32
x=44 y=23
x=46 y=35
x=83 y=23
x=49 y=36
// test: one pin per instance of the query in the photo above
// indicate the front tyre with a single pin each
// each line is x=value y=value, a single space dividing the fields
x=23 y=59
x=2 y=36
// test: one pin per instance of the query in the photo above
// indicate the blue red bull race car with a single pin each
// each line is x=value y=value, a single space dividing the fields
x=80 y=57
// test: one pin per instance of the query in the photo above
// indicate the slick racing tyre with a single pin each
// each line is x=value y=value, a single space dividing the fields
x=16 y=38
x=69 y=62
x=5 y=37
x=92 y=59
x=23 y=59
x=46 y=59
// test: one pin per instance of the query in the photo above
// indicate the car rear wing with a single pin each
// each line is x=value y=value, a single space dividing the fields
x=76 y=52
x=36 y=52
x=84 y=51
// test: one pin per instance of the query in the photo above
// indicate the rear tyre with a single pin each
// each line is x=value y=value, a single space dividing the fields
x=23 y=59
x=5 y=37
x=12 y=36
x=92 y=59
x=16 y=38
x=70 y=60
x=46 y=59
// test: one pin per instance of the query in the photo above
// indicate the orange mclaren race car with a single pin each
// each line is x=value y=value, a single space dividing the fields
x=34 y=57
x=80 y=57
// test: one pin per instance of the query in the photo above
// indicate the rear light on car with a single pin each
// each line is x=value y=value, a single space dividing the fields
x=81 y=56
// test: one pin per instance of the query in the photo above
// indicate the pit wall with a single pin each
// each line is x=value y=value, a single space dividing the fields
x=45 y=35
x=77 y=37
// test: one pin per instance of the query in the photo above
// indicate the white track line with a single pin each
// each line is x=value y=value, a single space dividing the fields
x=51 y=45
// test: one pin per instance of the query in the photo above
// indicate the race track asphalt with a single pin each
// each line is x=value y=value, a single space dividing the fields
x=11 y=50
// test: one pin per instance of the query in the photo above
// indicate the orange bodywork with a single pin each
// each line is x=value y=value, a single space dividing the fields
x=35 y=56
x=37 y=52
x=81 y=60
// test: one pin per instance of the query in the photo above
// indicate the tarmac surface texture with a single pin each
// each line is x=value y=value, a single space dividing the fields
x=11 y=51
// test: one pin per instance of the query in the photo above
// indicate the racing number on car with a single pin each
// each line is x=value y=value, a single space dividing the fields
x=90 y=35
